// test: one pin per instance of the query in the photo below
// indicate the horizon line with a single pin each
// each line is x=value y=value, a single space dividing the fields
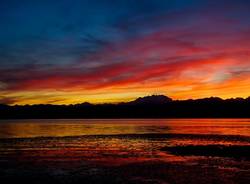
x=120 y=102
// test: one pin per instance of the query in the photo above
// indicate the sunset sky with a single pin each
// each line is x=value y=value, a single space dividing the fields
x=71 y=51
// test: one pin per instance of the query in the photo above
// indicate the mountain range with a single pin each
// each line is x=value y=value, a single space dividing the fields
x=154 y=106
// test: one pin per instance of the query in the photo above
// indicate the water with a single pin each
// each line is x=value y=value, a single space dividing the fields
x=136 y=149
x=62 y=128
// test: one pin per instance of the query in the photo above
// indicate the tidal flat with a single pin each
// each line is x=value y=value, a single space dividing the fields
x=125 y=151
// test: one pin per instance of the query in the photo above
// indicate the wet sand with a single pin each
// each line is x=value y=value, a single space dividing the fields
x=233 y=151
x=133 y=158
x=138 y=172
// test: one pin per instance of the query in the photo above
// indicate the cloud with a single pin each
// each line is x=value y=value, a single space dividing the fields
x=8 y=100
x=200 y=48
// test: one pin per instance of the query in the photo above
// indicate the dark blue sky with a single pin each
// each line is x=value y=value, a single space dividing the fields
x=69 y=27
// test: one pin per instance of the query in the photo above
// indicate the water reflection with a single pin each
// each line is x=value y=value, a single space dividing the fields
x=52 y=128
x=115 y=140
x=135 y=150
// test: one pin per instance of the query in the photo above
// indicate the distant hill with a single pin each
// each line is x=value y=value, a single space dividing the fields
x=153 y=99
x=154 y=106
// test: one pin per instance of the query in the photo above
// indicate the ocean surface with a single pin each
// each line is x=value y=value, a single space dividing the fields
x=125 y=151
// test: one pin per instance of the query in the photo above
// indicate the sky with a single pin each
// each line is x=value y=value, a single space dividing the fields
x=72 y=51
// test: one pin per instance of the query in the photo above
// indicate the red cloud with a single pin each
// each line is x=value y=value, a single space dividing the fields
x=166 y=58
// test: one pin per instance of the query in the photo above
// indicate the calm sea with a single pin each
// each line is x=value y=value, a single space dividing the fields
x=65 y=127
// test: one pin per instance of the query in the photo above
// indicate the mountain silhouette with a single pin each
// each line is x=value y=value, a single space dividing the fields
x=154 y=106
x=153 y=99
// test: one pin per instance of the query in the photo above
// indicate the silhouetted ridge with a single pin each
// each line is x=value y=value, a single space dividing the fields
x=84 y=104
x=153 y=99
x=155 y=106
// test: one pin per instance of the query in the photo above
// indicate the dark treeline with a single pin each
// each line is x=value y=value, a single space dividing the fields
x=156 y=106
